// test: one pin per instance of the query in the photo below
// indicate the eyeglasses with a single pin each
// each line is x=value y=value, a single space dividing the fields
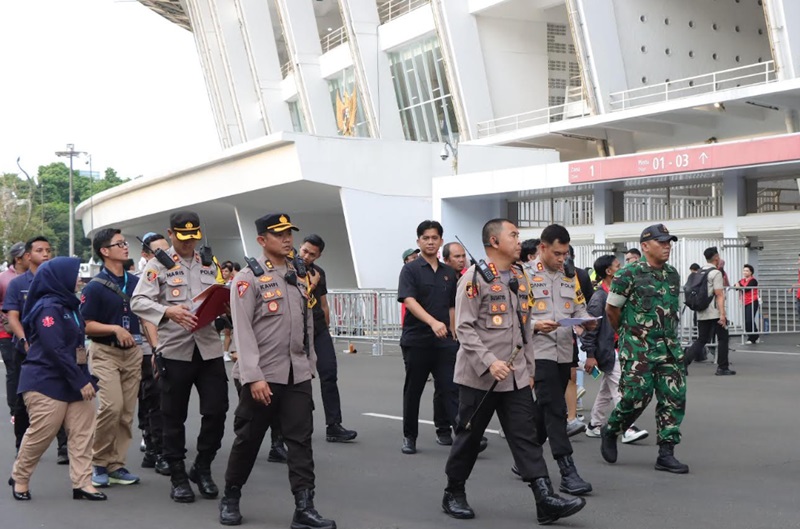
x=120 y=244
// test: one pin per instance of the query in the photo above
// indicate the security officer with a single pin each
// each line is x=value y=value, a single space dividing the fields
x=492 y=324
x=643 y=304
x=188 y=356
x=556 y=297
x=273 y=328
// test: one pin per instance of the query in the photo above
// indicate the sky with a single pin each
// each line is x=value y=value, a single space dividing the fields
x=110 y=76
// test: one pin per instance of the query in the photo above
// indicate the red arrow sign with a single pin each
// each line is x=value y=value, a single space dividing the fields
x=758 y=151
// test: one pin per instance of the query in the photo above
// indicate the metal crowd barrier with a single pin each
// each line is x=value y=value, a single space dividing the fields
x=374 y=315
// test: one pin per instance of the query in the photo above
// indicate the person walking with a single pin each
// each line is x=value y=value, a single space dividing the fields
x=55 y=381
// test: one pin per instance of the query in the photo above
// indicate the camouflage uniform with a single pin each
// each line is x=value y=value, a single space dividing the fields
x=649 y=352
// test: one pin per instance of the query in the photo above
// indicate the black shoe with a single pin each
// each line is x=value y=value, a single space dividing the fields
x=721 y=372
x=80 y=494
x=571 y=482
x=200 y=474
x=455 y=505
x=483 y=445
x=229 y=507
x=336 y=433
x=181 y=488
x=19 y=496
x=409 y=445
x=161 y=466
x=305 y=515
x=444 y=439
x=63 y=456
x=550 y=506
x=666 y=460
x=608 y=445
x=515 y=471
x=149 y=460
x=278 y=454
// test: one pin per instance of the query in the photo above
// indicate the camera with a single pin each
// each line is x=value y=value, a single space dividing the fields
x=444 y=155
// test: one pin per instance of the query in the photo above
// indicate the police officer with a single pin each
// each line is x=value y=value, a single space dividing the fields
x=189 y=356
x=492 y=322
x=643 y=305
x=273 y=329
x=555 y=297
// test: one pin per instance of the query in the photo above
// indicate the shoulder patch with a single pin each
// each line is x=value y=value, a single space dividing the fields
x=471 y=289
x=48 y=321
x=241 y=287
x=151 y=275
x=539 y=267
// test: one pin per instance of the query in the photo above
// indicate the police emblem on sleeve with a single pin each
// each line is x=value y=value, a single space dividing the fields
x=241 y=287
x=471 y=290
x=151 y=275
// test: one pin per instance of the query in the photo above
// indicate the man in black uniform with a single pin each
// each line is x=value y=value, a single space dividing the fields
x=311 y=249
x=272 y=327
x=428 y=290
x=495 y=372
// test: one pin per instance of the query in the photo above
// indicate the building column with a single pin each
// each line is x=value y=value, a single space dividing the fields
x=262 y=51
x=734 y=203
x=302 y=40
x=603 y=211
x=466 y=74
x=372 y=69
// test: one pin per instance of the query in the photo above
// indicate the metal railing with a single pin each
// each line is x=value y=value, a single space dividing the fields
x=753 y=74
x=335 y=38
x=395 y=8
x=543 y=116
x=286 y=69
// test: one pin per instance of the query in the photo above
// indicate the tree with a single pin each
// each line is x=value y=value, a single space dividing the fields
x=43 y=208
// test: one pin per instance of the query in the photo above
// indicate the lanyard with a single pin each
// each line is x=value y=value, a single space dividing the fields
x=75 y=317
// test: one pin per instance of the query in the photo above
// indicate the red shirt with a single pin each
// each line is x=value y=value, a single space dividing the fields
x=750 y=295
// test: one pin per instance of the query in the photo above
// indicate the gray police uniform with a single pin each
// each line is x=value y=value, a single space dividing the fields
x=555 y=297
x=273 y=329
x=190 y=358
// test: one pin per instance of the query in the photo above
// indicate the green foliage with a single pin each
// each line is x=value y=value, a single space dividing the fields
x=43 y=209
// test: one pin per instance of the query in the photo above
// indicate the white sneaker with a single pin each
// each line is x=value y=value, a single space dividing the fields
x=581 y=392
x=593 y=431
x=575 y=427
x=750 y=342
x=634 y=434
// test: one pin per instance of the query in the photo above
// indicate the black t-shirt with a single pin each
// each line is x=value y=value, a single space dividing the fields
x=101 y=304
x=435 y=292
x=318 y=292
x=585 y=283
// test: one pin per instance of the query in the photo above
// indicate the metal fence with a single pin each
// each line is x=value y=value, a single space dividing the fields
x=392 y=9
x=374 y=315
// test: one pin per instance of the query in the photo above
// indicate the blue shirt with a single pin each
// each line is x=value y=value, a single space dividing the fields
x=51 y=366
x=17 y=292
x=101 y=304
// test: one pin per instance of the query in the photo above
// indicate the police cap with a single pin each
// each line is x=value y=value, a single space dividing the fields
x=275 y=223
x=185 y=225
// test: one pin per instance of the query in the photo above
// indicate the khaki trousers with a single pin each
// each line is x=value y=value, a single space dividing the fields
x=607 y=397
x=120 y=372
x=47 y=415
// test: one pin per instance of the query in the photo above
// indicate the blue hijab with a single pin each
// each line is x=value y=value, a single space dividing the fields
x=53 y=284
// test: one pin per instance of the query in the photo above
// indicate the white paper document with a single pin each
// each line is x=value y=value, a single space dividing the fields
x=569 y=322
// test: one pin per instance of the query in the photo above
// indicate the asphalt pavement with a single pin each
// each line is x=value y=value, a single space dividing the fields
x=739 y=439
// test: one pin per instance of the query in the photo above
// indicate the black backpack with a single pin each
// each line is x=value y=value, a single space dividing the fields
x=695 y=291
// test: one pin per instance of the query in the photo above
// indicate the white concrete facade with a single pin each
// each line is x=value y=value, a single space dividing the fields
x=628 y=76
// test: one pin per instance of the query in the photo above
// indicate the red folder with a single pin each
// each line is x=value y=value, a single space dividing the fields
x=214 y=303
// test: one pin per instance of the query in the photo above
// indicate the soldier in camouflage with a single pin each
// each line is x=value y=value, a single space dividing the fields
x=643 y=304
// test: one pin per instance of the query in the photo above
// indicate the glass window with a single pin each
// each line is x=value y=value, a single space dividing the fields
x=422 y=92
x=346 y=100
x=298 y=119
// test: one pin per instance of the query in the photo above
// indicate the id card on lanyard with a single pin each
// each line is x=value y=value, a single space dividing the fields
x=81 y=356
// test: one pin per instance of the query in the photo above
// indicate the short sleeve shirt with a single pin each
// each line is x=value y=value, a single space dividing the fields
x=101 y=304
x=434 y=291
x=17 y=292
x=715 y=282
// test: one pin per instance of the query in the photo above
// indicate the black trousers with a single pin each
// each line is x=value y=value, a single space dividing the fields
x=550 y=383
x=275 y=427
x=421 y=362
x=328 y=376
x=7 y=352
x=293 y=405
x=516 y=411
x=750 y=313
x=150 y=407
x=706 y=329
x=440 y=417
x=211 y=381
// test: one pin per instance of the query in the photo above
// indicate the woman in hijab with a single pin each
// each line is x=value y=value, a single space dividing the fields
x=54 y=379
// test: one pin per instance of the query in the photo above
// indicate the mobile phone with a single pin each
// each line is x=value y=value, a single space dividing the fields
x=595 y=373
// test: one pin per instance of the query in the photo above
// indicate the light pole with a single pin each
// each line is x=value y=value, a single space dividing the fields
x=71 y=153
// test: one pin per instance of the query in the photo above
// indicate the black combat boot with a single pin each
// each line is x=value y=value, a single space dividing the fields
x=229 y=506
x=181 y=488
x=550 y=506
x=336 y=433
x=200 y=473
x=162 y=467
x=608 y=445
x=305 y=515
x=454 y=501
x=277 y=453
x=571 y=482
x=666 y=460
x=149 y=459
